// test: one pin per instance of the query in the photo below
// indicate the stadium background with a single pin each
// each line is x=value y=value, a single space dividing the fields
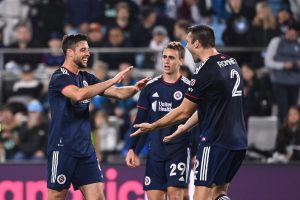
x=133 y=32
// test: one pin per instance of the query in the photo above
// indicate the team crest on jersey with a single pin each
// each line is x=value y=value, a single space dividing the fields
x=61 y=179
x=85 y=83
x=193 y=81
x=147 y=180
x=177 y=95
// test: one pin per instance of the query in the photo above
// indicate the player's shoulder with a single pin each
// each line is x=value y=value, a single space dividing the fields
x=185 y=80
x=60 y=71
x=154 y=81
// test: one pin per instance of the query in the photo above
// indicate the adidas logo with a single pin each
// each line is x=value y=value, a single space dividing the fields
x=155 y=94
x=181 y=179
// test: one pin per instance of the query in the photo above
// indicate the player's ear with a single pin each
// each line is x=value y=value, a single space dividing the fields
x=70 y=52
x=197 y=44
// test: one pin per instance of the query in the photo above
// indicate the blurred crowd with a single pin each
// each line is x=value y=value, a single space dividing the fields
x=271 y=72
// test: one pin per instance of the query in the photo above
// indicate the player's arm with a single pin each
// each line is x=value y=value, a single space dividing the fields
x=136 y=143
x=78 y=94
x=184 y=111
x=126 y=91
x=183 y=128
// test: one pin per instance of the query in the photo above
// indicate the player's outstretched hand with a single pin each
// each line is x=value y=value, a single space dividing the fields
x=143 y=128
x=120 y=76
x=180 y=130
x=142 y=83
x=132 y=160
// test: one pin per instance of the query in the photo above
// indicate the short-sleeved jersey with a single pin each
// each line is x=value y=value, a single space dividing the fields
x=159 y=98
x=217 y=89
x=70 y=129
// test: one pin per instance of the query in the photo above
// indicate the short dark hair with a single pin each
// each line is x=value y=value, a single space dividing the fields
x=70 y=41
x=204 y=34
x=174 y=45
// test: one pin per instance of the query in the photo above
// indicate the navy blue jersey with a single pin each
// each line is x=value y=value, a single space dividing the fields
x=217 y=88
x=158 y=98
x=70 y=129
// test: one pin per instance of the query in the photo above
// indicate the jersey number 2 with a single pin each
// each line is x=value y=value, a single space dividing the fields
x=236 y=92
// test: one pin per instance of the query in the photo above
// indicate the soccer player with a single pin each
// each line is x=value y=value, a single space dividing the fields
x=168 y=164
x=216 y=94
x=71 y=156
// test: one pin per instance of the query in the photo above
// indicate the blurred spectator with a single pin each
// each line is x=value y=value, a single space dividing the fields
x=12 y=13
x=283 y=58
x=157 y=5
x=24 y=41
x=257 y=94
x=45 y=23
x=159 y=40
x=33 y=138
x=109 y=11
x=288 y=138
x=264 y=28
x=98 y=102
x=180 y=33
x=284 y=17
x=95 y=35
x=9 y=132
x=106 y=135
x=80 y=14
x=142 y=32
x=189 y=10
x=277 y=4
x=238 y=24
x=96 y=39
x=100 y=70
x=207 y=8
x=28 y=85
x=56 y=57
x=116 y=39
x=295 y=8
x=124 y=106
x=123 y=20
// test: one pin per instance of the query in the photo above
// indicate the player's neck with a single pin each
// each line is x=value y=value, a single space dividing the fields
x=71 y=67
x=171 y=78
x=206 y=53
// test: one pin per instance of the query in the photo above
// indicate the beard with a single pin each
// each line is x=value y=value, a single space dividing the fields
x=80 y=63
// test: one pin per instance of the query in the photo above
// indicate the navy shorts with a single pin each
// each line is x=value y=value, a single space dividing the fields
x=162 y=174
x=64 y=169
x=216 y=165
